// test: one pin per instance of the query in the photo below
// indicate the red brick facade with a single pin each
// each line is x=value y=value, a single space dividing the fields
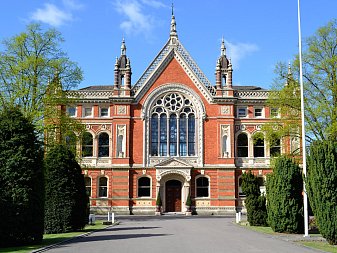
x=126 y=171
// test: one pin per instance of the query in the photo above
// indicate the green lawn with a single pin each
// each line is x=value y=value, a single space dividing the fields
x=321 y=245
x=49 y=239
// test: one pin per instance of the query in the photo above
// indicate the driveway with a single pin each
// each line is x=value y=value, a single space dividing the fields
x=175 y=234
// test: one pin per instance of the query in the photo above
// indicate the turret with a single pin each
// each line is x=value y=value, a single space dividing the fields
x=223 y=70
x=122 y=72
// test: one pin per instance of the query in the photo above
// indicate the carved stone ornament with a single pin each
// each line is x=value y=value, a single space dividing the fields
x=121 y=110
x=225 y=110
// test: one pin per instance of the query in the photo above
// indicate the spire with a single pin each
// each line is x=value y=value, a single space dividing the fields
x=123 y=47
x=223 y=48
x=289 y=75
x=173 y=32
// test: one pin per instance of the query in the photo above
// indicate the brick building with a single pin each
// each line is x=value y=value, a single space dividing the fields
x=171 y=132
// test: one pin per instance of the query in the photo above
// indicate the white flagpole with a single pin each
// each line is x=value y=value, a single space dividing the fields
x=305 y=197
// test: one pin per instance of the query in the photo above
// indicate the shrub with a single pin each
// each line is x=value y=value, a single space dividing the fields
x=21 y=181
x=66 y=199
x=284 y=197
x=322 y=187
x=255 y=202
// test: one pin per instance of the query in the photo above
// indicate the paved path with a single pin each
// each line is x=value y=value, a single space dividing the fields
x=179 y=234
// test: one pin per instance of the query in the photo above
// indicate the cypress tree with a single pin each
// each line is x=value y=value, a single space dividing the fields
x=284 y=197
x=255 y=202
x=66 y=199
x=21 y=181
x=322 y=187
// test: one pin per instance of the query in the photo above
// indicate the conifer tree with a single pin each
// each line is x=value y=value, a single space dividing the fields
x=66 y=199
x=21 y=181
x=284 y=197
x=321 y=184
x=255 y=202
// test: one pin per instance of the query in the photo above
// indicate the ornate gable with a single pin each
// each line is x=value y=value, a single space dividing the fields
x=173 y=49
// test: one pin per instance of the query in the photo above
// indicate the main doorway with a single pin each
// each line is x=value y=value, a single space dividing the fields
x=173 y=196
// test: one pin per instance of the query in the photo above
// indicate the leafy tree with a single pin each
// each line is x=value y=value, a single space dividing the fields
x=320 y=89
x=284 y=197
x=21 y=180
x=321 y=184
x=31 y=64
x=66 y=199
x=255 y=202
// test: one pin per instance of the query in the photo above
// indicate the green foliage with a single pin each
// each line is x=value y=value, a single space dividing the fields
x=66 y=199
x=33 y=65
x=284 y=197
x=321 y=184
x=250 y=185
x=320 y=89
x=21 y=180
x=255 y=202
x=158 y=201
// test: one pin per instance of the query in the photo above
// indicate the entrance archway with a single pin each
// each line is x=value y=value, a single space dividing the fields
x=173 y=196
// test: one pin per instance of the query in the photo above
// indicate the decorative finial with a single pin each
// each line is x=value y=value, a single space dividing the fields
x=123 y=47
x=172 y=9
x=223 y=48
x=173 y=32
x=289 y=69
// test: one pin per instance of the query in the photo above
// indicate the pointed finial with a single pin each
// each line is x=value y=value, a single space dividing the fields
x=123 y=47
x=172 y=7
x=289 y=69
x=173 y=32
x=223 y=48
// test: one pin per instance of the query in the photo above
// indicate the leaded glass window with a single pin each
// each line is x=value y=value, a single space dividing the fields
x=173 y=126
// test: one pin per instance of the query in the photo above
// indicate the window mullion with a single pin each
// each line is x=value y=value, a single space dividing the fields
x=187 y=138
x=167 y=135
x=178 y=136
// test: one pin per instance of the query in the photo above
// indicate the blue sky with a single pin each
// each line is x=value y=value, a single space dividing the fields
x=258 y=33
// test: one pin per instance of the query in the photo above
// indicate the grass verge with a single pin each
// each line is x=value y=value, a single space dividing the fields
x=320 y=245
x=49 y=239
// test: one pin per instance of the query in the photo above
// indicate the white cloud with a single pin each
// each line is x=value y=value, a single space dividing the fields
x=137 y=21
x=51 y=15
x=56 y=16
x=154 y=3
x=238 y=51
x=72 y=5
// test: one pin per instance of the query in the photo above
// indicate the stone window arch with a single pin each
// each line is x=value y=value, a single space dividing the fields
x=242 y=145
x=87 y=145
x=173 y=126
x=103 y=144
x=275 y=146
x=144 y=186
x=258 y=144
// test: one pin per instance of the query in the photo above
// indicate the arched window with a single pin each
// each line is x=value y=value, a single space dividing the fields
x=87 y=181
x=103 y=187
x=144 y=187
x=258 y=139
x=70 y=140
x=242 y=145
x=103 y=145
x=275 y=146
x=202 y=184
x=87 y=144
x=173 y=126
